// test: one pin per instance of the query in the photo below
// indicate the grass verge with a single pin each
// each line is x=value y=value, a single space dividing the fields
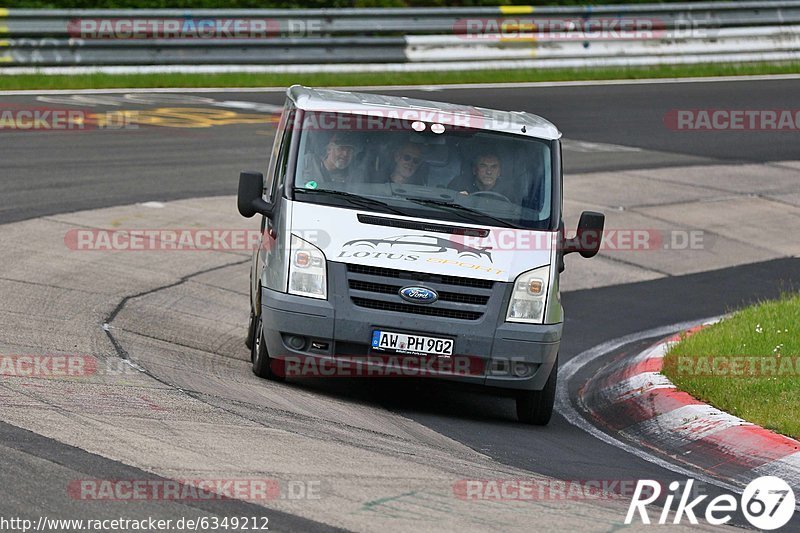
x=747 y=365
x=104 y=81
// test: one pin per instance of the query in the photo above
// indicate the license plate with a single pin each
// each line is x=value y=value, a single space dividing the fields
x=389 y=341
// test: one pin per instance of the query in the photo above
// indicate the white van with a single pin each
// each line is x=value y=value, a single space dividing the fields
x=403 y=237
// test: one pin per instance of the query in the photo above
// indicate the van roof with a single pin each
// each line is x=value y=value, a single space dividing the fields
x=515 y=122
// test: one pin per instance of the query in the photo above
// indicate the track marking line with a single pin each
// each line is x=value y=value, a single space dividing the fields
x=421 y=88
x=571 y=414
x=588 y=147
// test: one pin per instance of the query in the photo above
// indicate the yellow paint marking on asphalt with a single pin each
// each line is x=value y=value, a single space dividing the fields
x=3 y=12
x=185 y=117
x=516 y=10
x=6 y=59
x=3 y=28
x=3 y=43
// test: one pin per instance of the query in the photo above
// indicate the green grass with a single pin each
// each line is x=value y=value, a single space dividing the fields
x=767 y=332
x=102 y=81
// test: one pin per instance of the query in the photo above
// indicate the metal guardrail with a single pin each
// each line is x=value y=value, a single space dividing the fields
x=548 y=36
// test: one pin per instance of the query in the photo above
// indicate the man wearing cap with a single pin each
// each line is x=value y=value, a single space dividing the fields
x=335 y=166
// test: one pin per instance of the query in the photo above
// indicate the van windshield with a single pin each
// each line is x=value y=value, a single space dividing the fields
x=427 y=170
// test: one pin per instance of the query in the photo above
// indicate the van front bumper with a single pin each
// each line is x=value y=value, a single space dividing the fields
x=488 y=351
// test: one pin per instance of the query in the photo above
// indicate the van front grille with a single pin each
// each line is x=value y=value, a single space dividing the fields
x=475 y=299
x=379 y=288
x=416 y=309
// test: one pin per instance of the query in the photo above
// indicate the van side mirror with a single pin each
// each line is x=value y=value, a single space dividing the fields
x=589 y=236
x=251 y=190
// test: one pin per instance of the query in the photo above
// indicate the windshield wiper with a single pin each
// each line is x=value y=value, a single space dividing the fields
x=355 y=199
x=462 y=209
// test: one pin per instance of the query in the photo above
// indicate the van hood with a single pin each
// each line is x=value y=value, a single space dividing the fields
x=406 y=243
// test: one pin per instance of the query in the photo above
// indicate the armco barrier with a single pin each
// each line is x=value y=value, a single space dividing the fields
x=523 y=36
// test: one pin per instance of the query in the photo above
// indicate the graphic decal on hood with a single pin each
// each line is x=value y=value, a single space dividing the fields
x=499 y=256
x=427 y=244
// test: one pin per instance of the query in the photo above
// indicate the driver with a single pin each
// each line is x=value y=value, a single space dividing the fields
x=335 y=166
x=485 y=177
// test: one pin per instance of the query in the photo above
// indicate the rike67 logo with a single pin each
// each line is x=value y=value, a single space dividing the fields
x=767 y=503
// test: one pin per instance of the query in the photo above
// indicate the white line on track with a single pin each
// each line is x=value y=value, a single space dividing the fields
x=525 y=85
x=587 y=147
x=568 y=411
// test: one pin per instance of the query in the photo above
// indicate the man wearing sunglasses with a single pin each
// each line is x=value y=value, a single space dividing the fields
x=407 y=161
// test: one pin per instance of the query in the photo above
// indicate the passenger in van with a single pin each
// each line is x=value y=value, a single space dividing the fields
x=486 y=176
x=407 y=162
x=335 y=166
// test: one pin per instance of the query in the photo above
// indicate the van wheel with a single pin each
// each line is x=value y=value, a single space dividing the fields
x=263 y=365
x=251 y=326
x=536 y=406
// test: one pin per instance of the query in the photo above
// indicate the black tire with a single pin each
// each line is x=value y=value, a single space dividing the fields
x=251 y=327
x=536 y=407
x=263 y=365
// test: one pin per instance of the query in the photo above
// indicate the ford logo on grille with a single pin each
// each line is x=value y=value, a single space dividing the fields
x=418 y=295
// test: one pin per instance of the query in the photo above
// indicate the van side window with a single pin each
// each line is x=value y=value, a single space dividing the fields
x=283 y=157
x=277 y=163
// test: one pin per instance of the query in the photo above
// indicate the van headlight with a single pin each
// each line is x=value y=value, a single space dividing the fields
x=529 y=296
x=307 y=270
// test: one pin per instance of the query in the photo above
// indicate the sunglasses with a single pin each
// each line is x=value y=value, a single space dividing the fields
x=410 y=158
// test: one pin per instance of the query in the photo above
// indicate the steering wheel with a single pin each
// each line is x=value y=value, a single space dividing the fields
x=492 y=194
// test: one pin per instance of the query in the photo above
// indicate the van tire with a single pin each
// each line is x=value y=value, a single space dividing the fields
x=251 y=326
x=536 y=406
x=264 y=366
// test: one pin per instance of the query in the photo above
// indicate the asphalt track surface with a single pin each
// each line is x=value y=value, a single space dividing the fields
x=49 y=173
x=36 y=469
x=92 y=169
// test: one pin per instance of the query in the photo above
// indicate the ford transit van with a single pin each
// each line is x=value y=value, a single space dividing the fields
x=404 y=237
